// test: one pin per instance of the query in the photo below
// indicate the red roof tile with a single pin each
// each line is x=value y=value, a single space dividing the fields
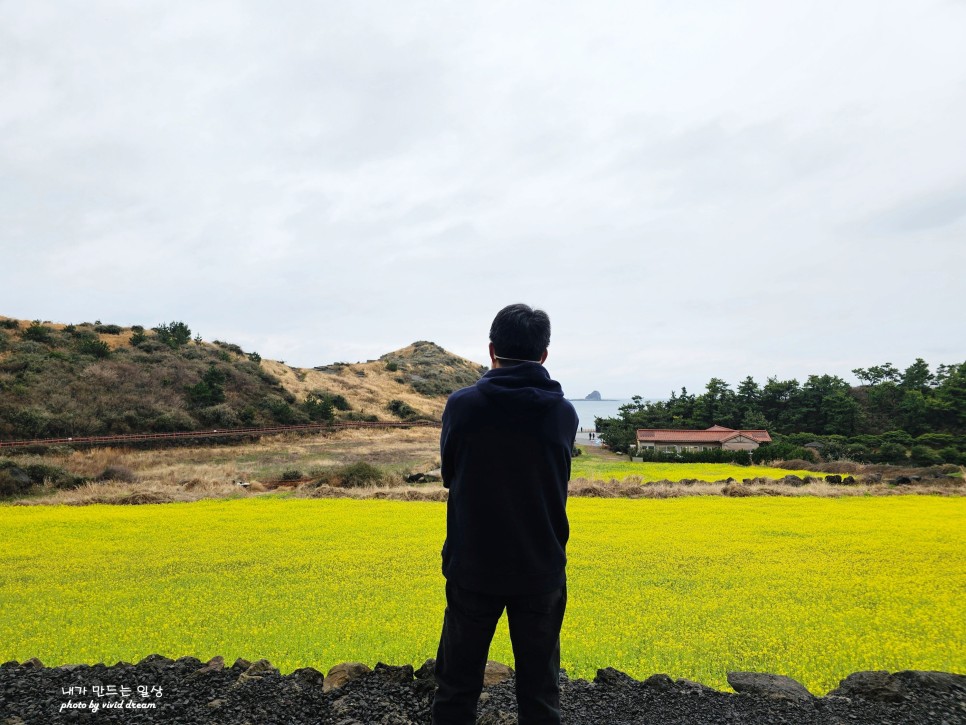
x=714 y=434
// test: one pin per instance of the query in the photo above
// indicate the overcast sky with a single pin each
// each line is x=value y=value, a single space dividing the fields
x=690 y=189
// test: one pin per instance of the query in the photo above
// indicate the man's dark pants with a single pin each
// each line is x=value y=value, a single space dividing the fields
x=468 y=627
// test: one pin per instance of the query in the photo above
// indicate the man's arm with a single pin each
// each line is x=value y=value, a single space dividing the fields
x=446 y=448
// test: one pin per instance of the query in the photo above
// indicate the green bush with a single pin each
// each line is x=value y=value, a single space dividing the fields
x=108 y=329
x=174 y=334
x=218 y=416
x=392 y=366
x=317 y=407
x=891 y=453
x=172 y=421
x=90 y=345
x=924 y=456
x=42 y=473
x=13 y=481
x=229 y=346
x=209 y=391
x=10 y=324
x=355 y=475
x=284 y=413
x=951 y=455
x=293 y=474
x=401 y=409
x=37 y=333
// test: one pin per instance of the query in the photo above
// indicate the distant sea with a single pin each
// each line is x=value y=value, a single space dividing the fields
x=587 y=410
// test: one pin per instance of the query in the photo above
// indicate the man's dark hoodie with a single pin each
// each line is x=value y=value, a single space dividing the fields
x=506 y=446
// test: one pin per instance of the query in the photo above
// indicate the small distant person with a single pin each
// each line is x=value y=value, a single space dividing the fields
x=506 y=447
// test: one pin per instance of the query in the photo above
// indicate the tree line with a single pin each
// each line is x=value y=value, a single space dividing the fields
x=892 y=415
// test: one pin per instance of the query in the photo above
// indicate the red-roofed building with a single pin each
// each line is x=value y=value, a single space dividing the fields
x=717 y=436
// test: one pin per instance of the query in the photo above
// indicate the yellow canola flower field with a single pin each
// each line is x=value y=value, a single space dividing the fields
x=606 y=468
x=813 y=588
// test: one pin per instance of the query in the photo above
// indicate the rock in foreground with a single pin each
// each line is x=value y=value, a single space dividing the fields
x=187 y=691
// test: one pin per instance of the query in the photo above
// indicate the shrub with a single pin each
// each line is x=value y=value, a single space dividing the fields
x=355 y=475
x=317 y=407
x=108 y=329
x=218 y=416
x=54 y=475
x=13 y=482
x=924 y=456
x=37 y=333
x=138 y=338
x=89 y=345
x=364 y=417
x=284 y=413
x=209 y=391
x=172 y=421
x=117 y=473
x=230 y=347
x=293 y=474
x=401 y=409
x=392 y=366
x=10 y=324
x=951 y=455
x=174 y=334
x=255 y=358
x=891 y=453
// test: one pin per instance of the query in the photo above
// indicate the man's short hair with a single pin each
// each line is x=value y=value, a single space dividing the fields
x=519 y=332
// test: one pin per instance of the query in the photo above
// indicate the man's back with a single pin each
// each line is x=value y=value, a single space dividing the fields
x=505 y=447
x=506 y=450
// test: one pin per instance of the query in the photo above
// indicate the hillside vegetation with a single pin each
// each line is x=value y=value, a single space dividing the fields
x=96 y=379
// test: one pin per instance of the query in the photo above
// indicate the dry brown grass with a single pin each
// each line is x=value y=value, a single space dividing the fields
x=192 y=473
x=367 y=393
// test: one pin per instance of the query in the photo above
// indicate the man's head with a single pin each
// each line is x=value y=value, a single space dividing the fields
x=519 y=333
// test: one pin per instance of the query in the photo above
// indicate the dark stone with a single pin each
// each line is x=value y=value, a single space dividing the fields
x=309 y=676
x=215 y=664
x=401 y=674
x=928 y=681
x=33 y=663
x=155 y=660
x=344 y=672
x=427 y=670
x=610 y=677
x=8 y=664
x=258 y=670
x=902 y=481
x=692 y=687
x=495 y=673
x=869 y=685
x=776 y=687
x=241 y=664
x=659 y=682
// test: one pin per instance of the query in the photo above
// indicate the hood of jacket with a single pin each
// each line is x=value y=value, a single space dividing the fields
x=523 y=387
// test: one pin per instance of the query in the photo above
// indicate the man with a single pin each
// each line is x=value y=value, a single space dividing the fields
x=505 y=446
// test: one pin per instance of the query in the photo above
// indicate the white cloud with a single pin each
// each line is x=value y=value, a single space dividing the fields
x=690 y=189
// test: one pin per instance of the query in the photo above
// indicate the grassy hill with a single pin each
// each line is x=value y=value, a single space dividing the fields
x=94 y=379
